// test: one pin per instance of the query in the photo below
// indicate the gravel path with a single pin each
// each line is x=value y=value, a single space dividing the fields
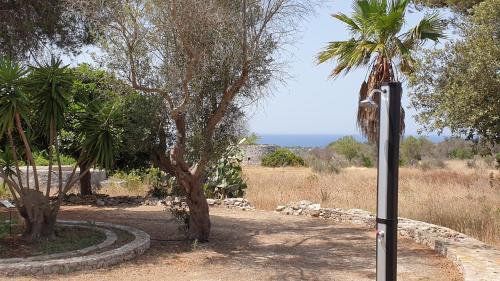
x=254 y=245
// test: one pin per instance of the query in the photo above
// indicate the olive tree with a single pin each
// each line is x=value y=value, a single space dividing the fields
x=458 y=86
x=206 y=59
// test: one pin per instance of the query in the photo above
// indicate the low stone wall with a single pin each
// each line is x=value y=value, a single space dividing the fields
x=255 y=152
x=97 y=176
x=110 y=240
x=476 y=260
x=90 y=262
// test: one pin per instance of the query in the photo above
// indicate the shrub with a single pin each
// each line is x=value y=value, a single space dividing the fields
x=281 y=158
x=413 y=149
x=358 y=154
x=461 y=153
x=431 y=163
x=42 y=159
x=323 y=160
x=366 y=161
x=347 y=146
x=133 y=179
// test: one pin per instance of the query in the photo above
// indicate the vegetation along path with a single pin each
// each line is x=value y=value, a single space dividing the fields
x=254 y=245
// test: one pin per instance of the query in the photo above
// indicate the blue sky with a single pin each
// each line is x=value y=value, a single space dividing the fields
x=311 y=102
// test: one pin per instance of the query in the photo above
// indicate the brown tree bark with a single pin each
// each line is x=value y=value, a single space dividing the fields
x=39 y=218
x=85 y=181
x=199 y=215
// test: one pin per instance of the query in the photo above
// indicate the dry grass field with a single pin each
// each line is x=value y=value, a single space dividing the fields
x=458 y=197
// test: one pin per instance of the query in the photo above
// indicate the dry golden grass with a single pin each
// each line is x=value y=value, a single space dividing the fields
x=457 y=197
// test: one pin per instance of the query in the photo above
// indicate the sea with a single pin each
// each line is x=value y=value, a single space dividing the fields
x=304 y=140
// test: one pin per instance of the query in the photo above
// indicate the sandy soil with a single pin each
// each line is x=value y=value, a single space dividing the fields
x=254 y=245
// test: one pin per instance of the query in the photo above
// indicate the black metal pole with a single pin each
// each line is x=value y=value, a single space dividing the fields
x=387 y=182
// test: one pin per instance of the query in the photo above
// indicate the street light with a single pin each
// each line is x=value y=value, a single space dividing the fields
x=387 y=177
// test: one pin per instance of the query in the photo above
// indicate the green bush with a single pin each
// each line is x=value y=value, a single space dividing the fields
x=366 y=161
x=413 y=149
x=461 y=153
x=347 y=146
x=358 y=154
x=281 y=158
x=42 y=159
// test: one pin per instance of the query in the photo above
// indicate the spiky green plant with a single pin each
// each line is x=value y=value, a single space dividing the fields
x=44 y=96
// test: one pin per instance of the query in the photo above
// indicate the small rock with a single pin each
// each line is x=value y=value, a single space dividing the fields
x=100 y=202
x=314 y=207
x=280 y=208
x=304 y=202
x=314 y=213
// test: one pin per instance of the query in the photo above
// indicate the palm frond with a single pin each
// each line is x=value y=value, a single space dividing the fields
x=50 y=86
x=12 y=95
x=347 y=20
x=348 y=54
x=100 y=133
x=431 y=27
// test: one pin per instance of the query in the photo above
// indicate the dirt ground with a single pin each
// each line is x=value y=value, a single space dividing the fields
x=254 y=245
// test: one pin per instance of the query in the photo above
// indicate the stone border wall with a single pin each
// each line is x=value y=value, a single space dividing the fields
x=90 y=262
x=111 y=238
x=476 y=260
x=255 y=152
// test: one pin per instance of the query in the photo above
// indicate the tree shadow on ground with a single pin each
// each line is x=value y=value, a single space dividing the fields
x=287 y=248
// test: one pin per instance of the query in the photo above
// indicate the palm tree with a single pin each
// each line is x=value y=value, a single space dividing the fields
x=378 y=43
x=43 y=97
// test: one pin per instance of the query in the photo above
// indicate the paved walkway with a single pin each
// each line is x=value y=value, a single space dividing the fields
x=255 y=245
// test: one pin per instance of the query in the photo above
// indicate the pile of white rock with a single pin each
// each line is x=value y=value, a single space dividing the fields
x=239 y=203
x=408 y=228
x=302 y=207
x=169 y=201
x=305 y=207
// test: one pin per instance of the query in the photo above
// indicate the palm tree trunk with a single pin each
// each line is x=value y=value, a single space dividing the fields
x=14 y=156
x=51 y=153
x=85 y=180
x=368 y=118
x=39 y=218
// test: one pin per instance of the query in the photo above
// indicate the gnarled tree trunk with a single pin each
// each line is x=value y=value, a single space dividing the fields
x=39 y=218
x=199 y=215
x=85 y=180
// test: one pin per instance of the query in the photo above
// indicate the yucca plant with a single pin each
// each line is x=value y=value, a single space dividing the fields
x=40 y=98
x=379 y=43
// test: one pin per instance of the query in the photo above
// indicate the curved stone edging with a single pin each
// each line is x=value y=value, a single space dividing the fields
x=110 y=240
x=63 y=265
x=476 y=260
